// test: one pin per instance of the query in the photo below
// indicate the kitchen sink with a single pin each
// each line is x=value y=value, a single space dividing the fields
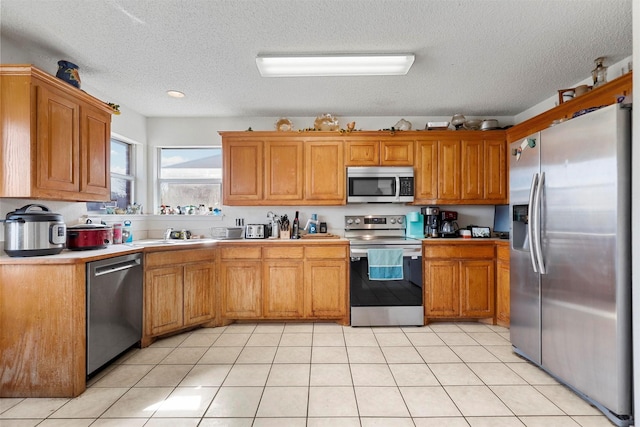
x=165 y=242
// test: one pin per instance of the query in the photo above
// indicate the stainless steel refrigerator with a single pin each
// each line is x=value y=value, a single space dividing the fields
x=570 y=201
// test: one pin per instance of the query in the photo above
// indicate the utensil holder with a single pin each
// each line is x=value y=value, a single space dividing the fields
x=285 y=234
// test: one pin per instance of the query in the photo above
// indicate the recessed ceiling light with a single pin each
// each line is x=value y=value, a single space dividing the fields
x=334 y=65
x=175 y=94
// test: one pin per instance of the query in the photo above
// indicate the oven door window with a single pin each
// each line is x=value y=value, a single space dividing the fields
x=380 y=293
x=374 y=186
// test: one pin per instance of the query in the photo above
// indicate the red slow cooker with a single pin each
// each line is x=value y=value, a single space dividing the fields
x=88 y=236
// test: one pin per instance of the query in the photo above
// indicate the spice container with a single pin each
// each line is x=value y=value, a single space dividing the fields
x=117 y=234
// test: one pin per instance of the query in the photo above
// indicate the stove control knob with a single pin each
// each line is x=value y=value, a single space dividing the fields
x=357 y=221
x=350 y=221
x=400 y=220
x=392 y=220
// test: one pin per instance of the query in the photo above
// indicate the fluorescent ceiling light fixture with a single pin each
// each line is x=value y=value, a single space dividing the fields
x=334 y=65
x=175 y=94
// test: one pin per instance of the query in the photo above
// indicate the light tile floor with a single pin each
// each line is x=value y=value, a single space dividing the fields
x=322 y=374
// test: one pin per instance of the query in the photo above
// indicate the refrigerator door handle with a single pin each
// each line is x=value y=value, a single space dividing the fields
x=530 y=220
x=536 y=224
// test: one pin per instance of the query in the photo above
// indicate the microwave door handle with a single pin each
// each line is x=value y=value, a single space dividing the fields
x=397 y=188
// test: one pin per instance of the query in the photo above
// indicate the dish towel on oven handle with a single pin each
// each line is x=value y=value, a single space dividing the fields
x=385 y=264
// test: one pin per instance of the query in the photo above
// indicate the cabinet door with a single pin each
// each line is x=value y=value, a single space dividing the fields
x=495 y=171
x=199 y=293
x=503 y=299
x=283 y=285
x=472 y=169
x=243 y=171
x=396 y=153
x=95 y=137
x=163 y=300
x=441 y=286
x=362 y=153
x=283 y=170
x=449 y=170
x=326 y=289
x=426 y=172
x=58 y=144
x=324 y=172
x=241 y=289
x=477 y=288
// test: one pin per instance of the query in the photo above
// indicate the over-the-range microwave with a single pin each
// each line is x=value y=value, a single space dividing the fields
x=382 y=184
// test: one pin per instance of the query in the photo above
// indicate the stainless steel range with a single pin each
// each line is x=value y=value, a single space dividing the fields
x=386 y=272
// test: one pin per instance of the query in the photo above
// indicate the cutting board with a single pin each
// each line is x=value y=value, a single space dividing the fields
x=320 y=236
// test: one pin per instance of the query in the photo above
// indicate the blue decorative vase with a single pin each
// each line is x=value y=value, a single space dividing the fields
x=68 y=71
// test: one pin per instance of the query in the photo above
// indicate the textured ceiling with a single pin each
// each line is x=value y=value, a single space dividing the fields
x=480 y=57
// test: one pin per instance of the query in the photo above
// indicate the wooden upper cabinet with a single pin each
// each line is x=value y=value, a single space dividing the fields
x=426 y=172
x=95 y=150
x=242 y=170
x=396 y=152
x=449 y=171
x=324 y=178
x=496 y=171
x=362 y=152
x=462 y=167
x=56 y=138
x=57 y=141
x=472 y=169
x=283 y=170
x=371 y=152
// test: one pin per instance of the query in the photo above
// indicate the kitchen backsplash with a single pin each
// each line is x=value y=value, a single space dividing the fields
x=153 y=226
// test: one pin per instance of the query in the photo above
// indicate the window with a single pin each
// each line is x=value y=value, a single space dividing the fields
x=190 y=176
x=122 y=177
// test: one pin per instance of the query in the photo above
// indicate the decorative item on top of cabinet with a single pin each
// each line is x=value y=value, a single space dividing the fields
x=68 y=72
x=60 y=149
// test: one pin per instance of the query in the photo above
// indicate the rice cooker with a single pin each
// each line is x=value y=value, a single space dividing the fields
x=34 y=230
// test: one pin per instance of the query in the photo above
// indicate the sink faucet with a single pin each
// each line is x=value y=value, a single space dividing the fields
x=167 y=233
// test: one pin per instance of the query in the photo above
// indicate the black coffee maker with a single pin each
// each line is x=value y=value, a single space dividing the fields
x=431 y=221
x=448 y=224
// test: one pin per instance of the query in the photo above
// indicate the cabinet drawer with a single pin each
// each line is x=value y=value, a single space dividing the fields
x=282 y=252
x=241 y=252
x=318 y=252
x=459 y=251
x=164 y=258
x=502 y=253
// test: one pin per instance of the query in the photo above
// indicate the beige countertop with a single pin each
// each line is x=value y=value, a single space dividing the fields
x=151 y=245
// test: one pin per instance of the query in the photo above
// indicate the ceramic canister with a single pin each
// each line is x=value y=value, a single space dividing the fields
x=68 y=71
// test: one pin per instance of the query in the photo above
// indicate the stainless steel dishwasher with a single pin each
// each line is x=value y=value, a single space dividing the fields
x=114 y=308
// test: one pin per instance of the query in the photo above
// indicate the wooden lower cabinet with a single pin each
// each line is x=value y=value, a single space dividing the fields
x=325 y=283
x=179 y=290
x=459 y=280
x=164 y=302
x=503 y=289
x=43 y=330
x=272 y=281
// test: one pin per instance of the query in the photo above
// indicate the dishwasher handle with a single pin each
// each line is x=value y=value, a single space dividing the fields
x=112 y=268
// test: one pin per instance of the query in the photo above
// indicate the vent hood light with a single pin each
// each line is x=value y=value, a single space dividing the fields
x=334 y=65
x=175 y=94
